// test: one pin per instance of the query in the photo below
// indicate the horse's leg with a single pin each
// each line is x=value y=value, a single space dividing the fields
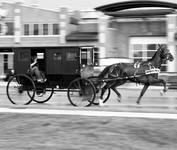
x=117 y=93
x=113 y=87
x=142 y=93
x=116 y=84
x=108 y=85
x=100 y=100
x=164 y=85
x=163 y=82
x=103 y=91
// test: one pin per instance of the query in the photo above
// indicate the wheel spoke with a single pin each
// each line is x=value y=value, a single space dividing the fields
x=81 y=95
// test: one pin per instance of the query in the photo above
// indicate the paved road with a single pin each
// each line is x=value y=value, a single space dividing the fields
x=30 y=131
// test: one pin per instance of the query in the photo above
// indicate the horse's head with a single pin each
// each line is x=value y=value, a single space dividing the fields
x=165 y=53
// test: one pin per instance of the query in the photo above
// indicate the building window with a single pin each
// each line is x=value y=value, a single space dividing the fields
x=10 y=28
x=36 y=29
x=45 y=29
x=26 y=29
x=55 y=29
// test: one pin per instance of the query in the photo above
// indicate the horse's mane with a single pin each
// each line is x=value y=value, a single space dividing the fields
x=153 y=57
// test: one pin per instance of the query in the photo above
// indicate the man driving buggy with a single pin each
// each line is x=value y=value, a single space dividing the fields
x=34 y=69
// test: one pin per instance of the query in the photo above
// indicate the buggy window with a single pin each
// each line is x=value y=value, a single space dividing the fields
x=71 y=56
x=57 y=56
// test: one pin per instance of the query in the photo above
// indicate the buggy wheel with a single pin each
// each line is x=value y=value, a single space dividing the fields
x=42 y=95
x=81 y=92
x=97 y=85
x=18 y=87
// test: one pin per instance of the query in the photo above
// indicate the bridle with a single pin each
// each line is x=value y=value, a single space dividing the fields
x=165 y=53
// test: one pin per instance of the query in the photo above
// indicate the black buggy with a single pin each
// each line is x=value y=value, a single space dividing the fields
x=63 y=70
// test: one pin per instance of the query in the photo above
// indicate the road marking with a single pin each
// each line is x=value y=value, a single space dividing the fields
x=91 y=113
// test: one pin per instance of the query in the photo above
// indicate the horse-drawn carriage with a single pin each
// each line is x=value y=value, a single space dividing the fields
x=64 y=72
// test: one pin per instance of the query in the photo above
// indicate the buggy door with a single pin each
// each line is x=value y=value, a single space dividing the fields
x=54 y=61
x=71 y=61
x=63 y=61
x=22 y=59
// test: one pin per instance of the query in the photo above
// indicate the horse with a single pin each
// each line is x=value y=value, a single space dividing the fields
x=143 y=72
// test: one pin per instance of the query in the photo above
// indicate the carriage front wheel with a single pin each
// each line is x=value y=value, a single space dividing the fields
x=18 y=88
x=81 y=92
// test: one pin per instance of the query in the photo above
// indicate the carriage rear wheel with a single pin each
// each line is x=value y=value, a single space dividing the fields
x=18 y=88
x=42 y=94
x=94 y=80
x=81 y=92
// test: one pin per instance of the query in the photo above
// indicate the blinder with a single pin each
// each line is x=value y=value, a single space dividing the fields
x=165 y=54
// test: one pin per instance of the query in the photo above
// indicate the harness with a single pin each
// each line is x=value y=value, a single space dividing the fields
x=138 y=71
x=151 y=70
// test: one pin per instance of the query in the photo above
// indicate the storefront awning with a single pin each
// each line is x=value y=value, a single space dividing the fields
x=82 y=36
x=135 y=4
x=141 y=13
x=131 y=8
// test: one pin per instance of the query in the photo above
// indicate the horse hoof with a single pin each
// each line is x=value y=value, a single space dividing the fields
x=138 y=102
x=119 y=100
x=163 y=92
x=101 y=102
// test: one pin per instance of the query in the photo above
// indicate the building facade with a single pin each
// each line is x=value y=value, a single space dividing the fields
x=37 y=29
x=108 y=35
x=135 y=28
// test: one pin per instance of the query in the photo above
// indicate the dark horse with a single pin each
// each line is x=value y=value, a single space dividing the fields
x=140 y=72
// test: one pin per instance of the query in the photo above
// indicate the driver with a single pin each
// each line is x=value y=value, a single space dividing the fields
x=34 y=68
